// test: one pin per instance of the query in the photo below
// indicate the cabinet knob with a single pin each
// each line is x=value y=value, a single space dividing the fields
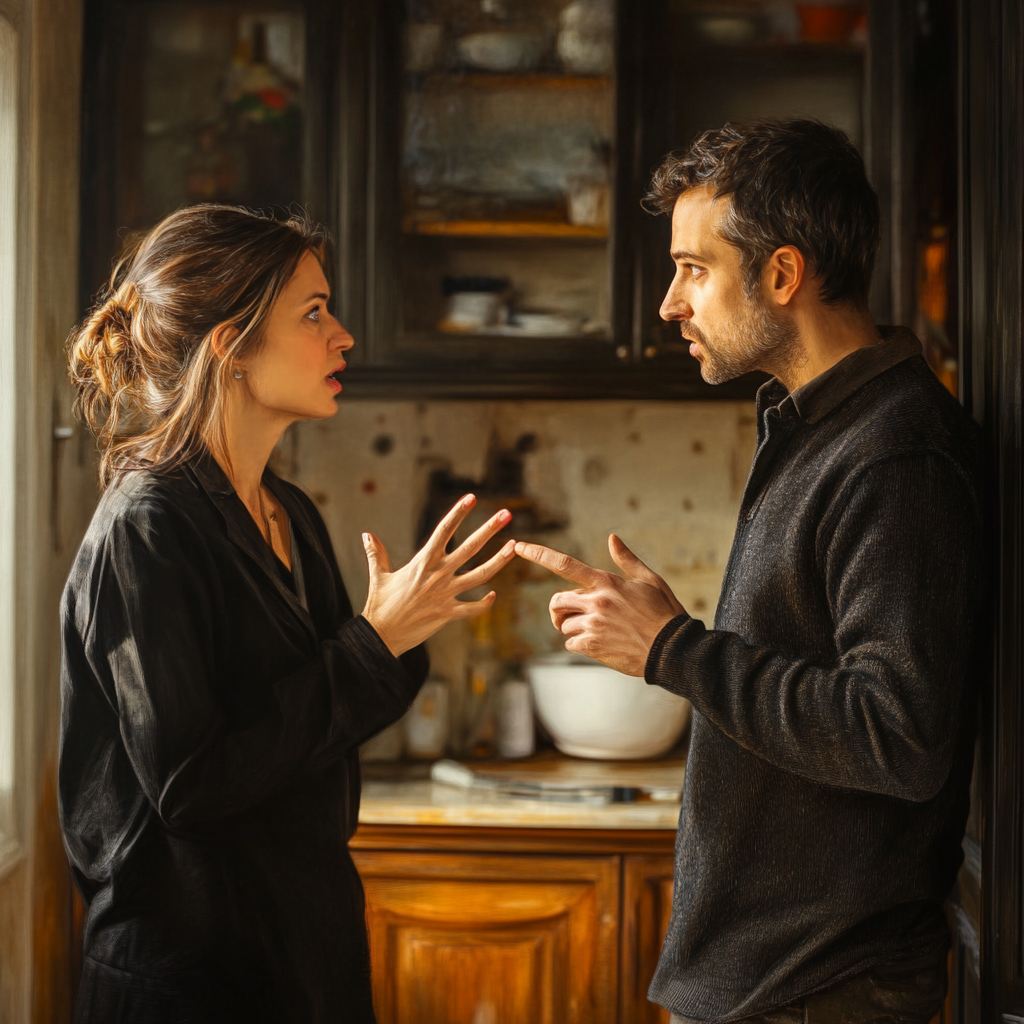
x=650 y=352
x=622 y=352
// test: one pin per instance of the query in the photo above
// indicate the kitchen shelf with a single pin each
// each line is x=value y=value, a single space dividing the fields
x=505 y=229
x=474 y=80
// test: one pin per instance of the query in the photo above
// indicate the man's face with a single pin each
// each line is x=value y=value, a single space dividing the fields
x=729 y=333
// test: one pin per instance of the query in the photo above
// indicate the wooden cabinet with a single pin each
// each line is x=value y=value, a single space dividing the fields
x=514 y=926
x=646 y=906
x=492 y=938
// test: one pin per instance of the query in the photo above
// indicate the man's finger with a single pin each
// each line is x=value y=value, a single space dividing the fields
x=376 y=555
x=472 y=544
x=560 y=564
x=632 y=567
x=445 y=530
x=576 y=625
x=558 y=617
x=490 y=568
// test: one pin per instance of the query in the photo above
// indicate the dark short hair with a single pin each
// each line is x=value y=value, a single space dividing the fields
x=799 y=183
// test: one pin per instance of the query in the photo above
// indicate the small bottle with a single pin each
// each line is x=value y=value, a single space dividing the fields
x=426 y=723
x=515 y=719
x=480 y=735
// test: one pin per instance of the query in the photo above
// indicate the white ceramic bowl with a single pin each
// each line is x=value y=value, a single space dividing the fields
x=594 y=711
x=499 y=51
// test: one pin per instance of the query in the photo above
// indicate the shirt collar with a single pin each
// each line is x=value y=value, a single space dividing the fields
x=818 y=397
x=240 y=526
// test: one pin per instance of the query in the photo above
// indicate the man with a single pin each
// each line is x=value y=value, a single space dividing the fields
x=826 y=788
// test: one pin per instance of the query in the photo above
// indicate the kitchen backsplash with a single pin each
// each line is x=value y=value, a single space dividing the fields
x=666 y=476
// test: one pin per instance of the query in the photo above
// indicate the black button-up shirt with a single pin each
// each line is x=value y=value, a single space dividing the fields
x=209 y=774
x=826 y=789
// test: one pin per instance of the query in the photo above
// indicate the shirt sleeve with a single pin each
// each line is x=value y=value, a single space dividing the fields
x=902 y=561
x=152 y=635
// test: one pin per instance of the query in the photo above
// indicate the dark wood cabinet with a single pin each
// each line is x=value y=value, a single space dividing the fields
x=480 y=163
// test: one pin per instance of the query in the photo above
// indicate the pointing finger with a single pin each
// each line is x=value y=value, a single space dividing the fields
x=560 y=564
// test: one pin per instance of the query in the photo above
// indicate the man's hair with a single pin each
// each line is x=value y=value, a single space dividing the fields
x=799 y=183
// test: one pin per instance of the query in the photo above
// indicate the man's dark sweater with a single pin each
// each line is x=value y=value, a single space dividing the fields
x=826 y=789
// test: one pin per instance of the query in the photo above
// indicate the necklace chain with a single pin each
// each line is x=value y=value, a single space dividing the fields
x=267 y=520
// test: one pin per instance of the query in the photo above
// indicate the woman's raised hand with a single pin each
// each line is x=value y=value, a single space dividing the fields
x=407 y=605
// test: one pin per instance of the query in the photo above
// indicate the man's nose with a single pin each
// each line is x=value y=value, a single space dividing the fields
x=674 y=306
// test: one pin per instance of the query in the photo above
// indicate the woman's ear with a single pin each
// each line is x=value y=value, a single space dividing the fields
x=221 y=338
x=784 y=274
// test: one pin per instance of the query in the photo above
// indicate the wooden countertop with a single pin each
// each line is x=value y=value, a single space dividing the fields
x=401 y=793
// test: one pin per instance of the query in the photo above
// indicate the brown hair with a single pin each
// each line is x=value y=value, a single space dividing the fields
x=150 y=385
x=797 y=182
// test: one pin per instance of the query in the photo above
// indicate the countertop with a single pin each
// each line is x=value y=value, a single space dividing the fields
x=401 y=793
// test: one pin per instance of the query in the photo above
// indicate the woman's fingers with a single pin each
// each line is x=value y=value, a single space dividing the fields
x=490 y=568
x=445 y=530
x=472 y=544
x=470 y=609
x=376 y=555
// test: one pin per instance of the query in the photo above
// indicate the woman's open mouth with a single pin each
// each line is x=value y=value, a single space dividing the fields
x=334 y=378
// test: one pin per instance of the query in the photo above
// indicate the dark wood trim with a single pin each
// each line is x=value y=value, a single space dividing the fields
x=655 y=381
x=992 y=282
x=473 y=839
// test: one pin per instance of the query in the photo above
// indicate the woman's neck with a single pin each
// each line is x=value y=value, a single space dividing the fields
x=250 y=435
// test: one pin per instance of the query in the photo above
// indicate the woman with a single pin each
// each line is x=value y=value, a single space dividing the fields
x=215 y=683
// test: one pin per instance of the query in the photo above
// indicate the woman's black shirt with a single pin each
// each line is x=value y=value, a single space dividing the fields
x=209 y=774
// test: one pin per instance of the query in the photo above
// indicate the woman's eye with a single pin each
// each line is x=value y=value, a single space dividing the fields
x=314 y=314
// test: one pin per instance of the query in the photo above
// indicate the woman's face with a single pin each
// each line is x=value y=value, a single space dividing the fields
x=291 y=375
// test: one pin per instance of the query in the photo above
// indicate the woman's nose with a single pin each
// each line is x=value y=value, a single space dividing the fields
x=341 y=337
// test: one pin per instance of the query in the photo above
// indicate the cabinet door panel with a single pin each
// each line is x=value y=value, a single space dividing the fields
x=647 y=886
x=491 y=939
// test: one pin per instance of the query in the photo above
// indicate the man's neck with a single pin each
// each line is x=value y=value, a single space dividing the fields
x=825 y=336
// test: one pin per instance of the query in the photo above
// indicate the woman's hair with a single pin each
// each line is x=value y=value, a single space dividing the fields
x=150 y=385
x=796 y=182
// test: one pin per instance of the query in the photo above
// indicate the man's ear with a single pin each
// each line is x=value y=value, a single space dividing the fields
x=784 y=274
x=221 y=338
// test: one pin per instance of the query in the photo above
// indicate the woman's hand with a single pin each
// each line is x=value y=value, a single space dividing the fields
x=407 y=605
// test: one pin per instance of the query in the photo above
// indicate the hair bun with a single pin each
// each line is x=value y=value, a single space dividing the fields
x=104 y=360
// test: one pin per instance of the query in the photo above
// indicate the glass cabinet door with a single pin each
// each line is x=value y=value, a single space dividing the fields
x=203 y=102
x=504 y=182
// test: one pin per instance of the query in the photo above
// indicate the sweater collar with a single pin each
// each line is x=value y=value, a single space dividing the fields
x=818 y=397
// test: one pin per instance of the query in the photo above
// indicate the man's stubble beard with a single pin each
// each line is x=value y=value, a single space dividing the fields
x=756 y=338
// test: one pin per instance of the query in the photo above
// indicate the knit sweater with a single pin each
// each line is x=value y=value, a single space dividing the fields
x=826 y=789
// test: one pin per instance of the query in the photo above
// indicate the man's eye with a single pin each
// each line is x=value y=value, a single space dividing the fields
x=695 y=271
x=314 y=314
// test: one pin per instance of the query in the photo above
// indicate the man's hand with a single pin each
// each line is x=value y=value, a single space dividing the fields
x=614 y=619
